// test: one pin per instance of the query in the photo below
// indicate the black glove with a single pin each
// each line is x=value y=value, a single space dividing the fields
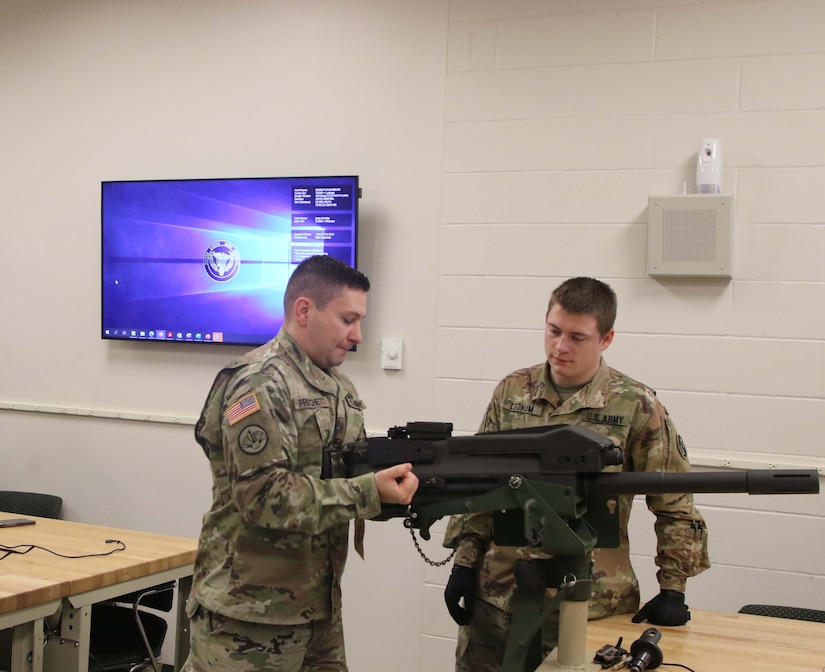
x=667 y=608
x=462 y=583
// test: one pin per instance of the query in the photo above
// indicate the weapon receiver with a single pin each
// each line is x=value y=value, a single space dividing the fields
x=453 y=468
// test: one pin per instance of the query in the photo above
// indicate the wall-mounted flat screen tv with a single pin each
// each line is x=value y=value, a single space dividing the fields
x=207 y=260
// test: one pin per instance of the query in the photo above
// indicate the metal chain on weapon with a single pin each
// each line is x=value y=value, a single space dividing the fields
x=408 y=523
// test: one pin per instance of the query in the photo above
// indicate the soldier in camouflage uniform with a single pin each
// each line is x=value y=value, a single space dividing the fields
x=266 y=593
x=575 y=386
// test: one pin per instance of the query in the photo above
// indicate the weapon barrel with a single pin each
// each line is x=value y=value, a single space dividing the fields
x=754 y=482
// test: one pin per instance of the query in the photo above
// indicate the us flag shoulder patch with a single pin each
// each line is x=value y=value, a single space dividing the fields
x=242 y=408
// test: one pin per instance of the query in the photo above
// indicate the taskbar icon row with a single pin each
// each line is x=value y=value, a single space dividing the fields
x=165 y=335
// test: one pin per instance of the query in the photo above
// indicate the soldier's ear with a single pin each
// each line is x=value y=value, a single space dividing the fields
x=300 y=310
x=607 y=339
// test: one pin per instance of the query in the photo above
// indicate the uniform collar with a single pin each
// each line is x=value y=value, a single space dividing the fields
x=592 y=395
x=326 y=380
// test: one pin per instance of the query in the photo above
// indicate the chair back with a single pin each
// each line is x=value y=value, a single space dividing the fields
x=158 y=597
x=128 y=637
x=30 y=503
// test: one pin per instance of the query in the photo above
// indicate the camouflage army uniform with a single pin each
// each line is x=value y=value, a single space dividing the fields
x=273 y=545
x=628 y=413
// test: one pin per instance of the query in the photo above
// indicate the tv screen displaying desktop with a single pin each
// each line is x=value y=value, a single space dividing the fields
x=207 y=260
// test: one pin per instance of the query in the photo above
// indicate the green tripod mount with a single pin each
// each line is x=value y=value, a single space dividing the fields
x=553 y=518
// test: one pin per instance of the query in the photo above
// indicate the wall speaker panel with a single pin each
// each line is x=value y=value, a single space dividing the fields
x=690 y=236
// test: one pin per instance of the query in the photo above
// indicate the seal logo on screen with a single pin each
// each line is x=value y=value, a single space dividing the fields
x=221 y=261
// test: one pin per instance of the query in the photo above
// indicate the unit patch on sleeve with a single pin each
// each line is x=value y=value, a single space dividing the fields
x=252 y=439
x=245 y=406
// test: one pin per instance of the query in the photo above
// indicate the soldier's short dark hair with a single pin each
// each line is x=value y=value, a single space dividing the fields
x=587 y=296
x=322 y=278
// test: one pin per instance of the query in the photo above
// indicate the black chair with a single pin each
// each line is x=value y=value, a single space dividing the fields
x=30 y=503
x=125 y=636
x=24 y=504
x=776 y=611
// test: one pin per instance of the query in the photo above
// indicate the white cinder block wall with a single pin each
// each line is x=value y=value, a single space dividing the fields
x=503 y=146
x=561 y=119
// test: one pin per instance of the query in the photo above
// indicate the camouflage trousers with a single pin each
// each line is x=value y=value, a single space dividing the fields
x=221 y=644
x=481 y=644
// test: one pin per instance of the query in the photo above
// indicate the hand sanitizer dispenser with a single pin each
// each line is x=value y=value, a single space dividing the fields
x=709 y=167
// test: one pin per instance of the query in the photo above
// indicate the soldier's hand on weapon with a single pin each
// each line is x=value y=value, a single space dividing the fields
x=397 y=484
x=667 y=608
x=462 y=584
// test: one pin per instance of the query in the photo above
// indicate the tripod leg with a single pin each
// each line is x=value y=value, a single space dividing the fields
x=523 y=652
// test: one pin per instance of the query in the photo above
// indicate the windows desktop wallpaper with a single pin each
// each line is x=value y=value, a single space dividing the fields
x=208 y=260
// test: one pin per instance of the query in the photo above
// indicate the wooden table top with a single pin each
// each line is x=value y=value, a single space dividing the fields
x=723 y=642
x=38 y=576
